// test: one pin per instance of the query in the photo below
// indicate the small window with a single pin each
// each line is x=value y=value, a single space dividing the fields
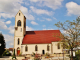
x=18 y=41
x=19 y=14
x=26 y=48
x=36 y=48
x=47 y=47
x=58 y=45
x=19 y=23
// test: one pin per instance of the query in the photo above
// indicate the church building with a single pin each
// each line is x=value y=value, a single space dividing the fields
x=41 y=41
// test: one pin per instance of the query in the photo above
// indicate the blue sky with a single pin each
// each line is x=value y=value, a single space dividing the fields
x=40 y=14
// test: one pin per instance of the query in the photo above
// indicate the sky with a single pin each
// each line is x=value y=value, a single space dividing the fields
x=40 y=14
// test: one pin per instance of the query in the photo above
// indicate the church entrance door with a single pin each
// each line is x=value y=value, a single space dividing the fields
x=18 y=51
x=43 y=51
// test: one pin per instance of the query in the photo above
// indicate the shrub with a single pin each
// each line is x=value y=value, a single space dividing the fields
x=36 y=58
x=77 y=55
x=20 y=54
x=14 y=56
x=7 y=53
x=33 y=54
x=47 y=54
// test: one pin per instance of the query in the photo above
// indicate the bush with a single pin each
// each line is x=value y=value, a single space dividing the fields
x=77 y=55
x=20 y=54
x=47 y=54
x=36 y=58
x=6 y=53
x=33 y=54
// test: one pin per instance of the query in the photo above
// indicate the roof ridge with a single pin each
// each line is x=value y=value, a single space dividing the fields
x=45 y=30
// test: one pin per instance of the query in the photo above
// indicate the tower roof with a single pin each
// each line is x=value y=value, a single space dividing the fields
x=20 y=12
x=41 y=37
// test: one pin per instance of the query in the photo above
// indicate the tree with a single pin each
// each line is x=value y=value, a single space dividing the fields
x=2 y=44
x=14 y=56
x=71 y=35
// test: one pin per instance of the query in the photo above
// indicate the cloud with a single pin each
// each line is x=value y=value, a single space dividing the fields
x=44 y=25
x=48 y=19
x=26 y=13
x=9 y=9
x=9 y=40
x=72 y=8
x=8 y=37
x=34 y=23
x=40 y=11
x=33 y=0
x=11 y=29
x=2 y=25
x=54 y=4
x=26 y=3
x=5 y=15
x=54 y=18
x=0 y=31
x=28 y=28
x=8 y=22
x=11 y=43
x=42 y=20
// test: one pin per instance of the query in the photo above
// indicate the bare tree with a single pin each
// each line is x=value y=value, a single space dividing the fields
x=71 y=35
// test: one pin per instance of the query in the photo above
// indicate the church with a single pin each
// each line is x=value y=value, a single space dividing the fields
x=41 y=41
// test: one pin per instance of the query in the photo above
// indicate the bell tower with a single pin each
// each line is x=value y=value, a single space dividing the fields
x=20 y=31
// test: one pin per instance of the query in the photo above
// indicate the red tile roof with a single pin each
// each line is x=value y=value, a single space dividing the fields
x=10 y=49
x=41 y=37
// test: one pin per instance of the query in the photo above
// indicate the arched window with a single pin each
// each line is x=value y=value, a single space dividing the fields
x=19 y=23
x=18 y=48
x=26 y=48
x=58 y=45
x=36 y=48
x=19 y=14
x=18 y=41
x=47 y=47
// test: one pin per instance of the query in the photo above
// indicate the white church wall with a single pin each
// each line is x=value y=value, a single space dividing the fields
x=18 y=32
x=31 y=48
x=16 y=43
x=55 y=49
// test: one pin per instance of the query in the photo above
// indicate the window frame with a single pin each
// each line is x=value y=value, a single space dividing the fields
x=19 y=23
x=58 y=45
x=48 y=48
x=36 y=48
x=18 y=42
x=26 y=48
x=19 y=14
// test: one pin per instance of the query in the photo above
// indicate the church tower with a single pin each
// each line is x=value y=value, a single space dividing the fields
x=20 y=31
